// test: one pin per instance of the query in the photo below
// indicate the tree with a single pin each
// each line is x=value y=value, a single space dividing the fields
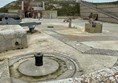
x=69 y=9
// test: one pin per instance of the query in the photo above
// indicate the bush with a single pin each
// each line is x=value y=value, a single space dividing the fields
x=3 y=10
x=69 y=10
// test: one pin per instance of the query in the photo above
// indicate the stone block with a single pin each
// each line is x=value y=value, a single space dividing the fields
x=87 y=27
x=96 y=28
x=12 y=37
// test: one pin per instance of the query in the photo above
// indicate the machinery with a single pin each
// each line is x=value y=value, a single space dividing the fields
x=14 y=19
x=8 y=18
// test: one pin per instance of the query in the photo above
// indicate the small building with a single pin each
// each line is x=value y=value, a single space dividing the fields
x=49 y=14
x=39 y=11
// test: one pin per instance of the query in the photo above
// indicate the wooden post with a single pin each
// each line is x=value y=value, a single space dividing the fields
x=22 y=9
x=70 y=22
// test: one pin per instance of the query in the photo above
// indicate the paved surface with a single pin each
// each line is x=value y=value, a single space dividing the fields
x=93 y=51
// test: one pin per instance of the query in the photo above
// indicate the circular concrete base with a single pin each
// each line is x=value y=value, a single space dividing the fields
x=28 y=67
x=56 y=66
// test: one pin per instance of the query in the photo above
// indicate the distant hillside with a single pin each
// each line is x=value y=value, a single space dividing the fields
x=13 y=5
x=16 y=4
x=62 y=5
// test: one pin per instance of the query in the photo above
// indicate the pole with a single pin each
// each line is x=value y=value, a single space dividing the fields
x=22 y=8
x=43 y=5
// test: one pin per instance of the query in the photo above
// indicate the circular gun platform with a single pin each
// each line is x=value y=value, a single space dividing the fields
x=55 y=66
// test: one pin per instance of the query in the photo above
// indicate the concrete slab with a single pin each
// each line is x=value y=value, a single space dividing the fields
x=4 y=72
x=14 y=80
x=113 y=45
x=30 y=69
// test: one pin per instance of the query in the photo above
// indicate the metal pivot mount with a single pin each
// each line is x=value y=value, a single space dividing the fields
x=31 y=25
x=38 y=59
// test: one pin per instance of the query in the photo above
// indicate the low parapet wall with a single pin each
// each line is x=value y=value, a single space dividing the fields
x=85 y=11
x=12 y=37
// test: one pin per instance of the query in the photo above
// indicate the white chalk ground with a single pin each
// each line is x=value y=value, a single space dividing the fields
x=113 y=45
x=41 y=42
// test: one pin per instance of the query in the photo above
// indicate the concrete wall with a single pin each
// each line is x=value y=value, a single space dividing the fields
x=12 y=37
x=86 y=10
x=111 y=8
x=13 y=11
x=49 y=14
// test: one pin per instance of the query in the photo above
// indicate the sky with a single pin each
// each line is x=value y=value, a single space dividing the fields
x=100 y=0
x=4 y=2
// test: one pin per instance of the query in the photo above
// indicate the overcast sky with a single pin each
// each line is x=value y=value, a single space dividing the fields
x=4 y=2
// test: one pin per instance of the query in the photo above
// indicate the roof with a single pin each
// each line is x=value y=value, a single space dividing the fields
x=38 y=8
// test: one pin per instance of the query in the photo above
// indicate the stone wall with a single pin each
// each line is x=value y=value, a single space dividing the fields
x=111 y=8
x=86 y=10
x=12 y=37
